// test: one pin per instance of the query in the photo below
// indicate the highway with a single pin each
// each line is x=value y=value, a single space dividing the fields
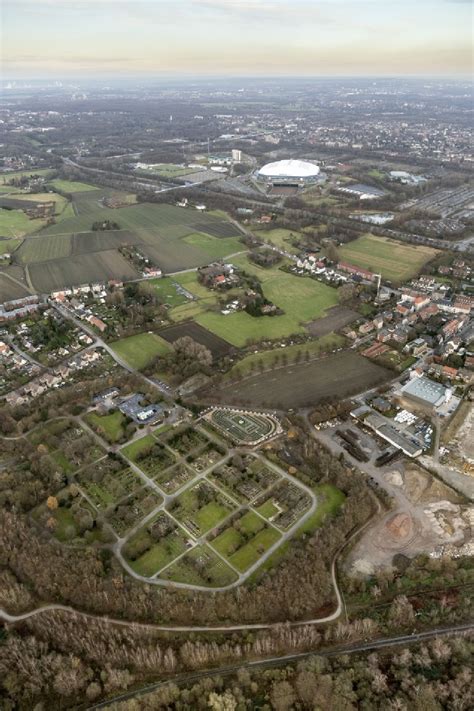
x=387 y=642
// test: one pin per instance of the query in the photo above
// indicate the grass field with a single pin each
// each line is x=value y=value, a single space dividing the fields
x=109 y=426
x=139 y=351
x=201 y=514
x=330 y=499
x=14 y=223
x=302 y=300
x=8 y=245
x=167 y=170
x=280 y=237
x=165 y=287
x=216 y=249
x=396 y=261
x=251 y=551
x=136 y=447
x=72 y=186
x=201 y=566
x=157 y=553
x=246 y=542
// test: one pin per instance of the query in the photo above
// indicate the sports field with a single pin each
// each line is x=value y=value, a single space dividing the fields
x=140 y=350
x=396 y=261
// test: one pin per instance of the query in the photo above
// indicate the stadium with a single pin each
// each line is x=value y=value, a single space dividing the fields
x=291 y=173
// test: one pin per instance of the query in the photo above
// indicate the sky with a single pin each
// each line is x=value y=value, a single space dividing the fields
x=61 y=38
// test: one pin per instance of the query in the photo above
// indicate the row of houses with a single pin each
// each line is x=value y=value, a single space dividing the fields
x=54 y=378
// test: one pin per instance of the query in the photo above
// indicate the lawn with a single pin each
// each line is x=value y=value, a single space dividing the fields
x=140 y=350
x=216 y=247
x=167 y=170
x=63 y=207
x=201 y=566
x=396 y=261
x=330 y=499
x=302 y=299
x=245 y=542
x=250 y=553
x=205 y=516
x=109 y=426
x=72 y=186
x=8 y=245
x=157 y=553
x=167 y=291
x=280 y=237
x=268 y=509
x=14 y=223
x=139 y=445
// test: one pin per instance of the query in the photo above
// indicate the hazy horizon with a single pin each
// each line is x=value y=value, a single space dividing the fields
x=62 y=39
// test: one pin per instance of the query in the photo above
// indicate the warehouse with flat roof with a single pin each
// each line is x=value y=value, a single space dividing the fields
x=426 y=392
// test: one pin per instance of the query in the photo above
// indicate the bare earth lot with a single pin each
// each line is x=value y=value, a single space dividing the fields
x=337 y=318
x=305 y=384
x=218 y=346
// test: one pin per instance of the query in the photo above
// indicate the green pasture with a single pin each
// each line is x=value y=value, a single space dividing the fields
x=14 y=223
x=140 y=350
x=72 y=186
x=396 y=261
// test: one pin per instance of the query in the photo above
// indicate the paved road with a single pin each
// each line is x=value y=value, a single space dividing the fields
x=241 y=577
x=357 y=648
x=65 y=313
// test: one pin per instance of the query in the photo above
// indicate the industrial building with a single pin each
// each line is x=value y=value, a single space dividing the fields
x=426 y=392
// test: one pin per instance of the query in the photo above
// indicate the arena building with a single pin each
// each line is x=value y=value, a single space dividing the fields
x=293 y=173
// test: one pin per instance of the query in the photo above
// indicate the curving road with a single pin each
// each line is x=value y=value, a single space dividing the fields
x=7 y=617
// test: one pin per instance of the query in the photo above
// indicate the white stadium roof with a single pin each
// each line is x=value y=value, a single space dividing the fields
x=289 y=169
